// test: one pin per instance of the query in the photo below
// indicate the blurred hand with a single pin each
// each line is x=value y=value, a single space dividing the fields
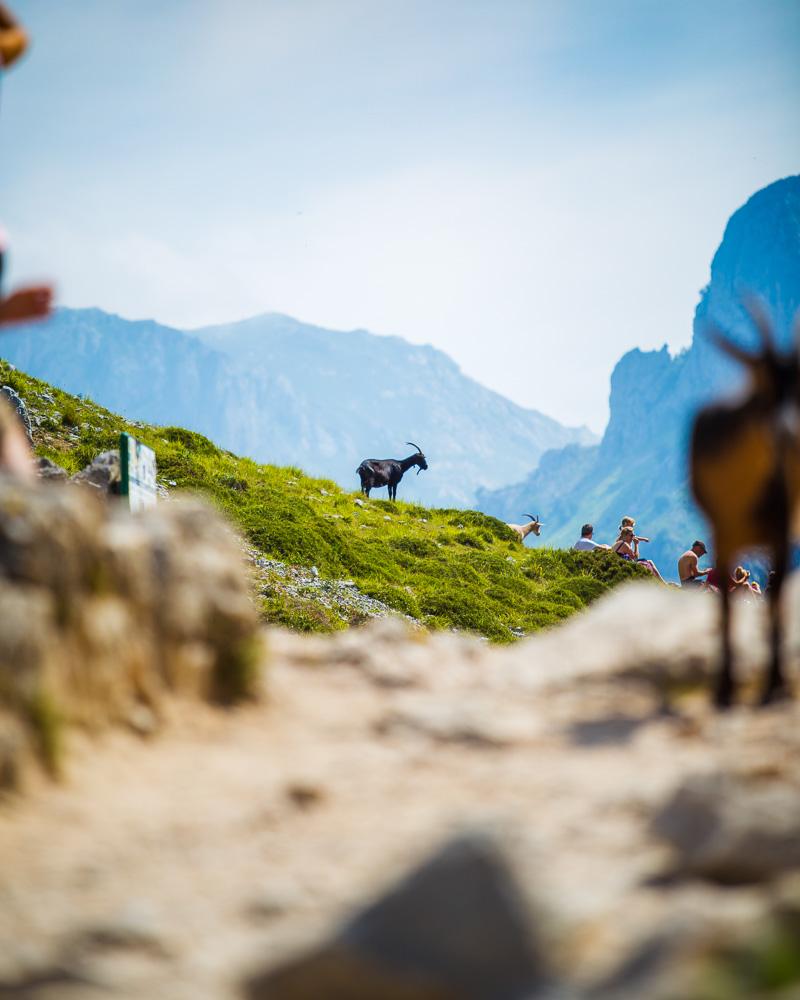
x=26 y=304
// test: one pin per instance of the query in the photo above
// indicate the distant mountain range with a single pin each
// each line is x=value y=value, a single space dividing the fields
x=284 y=392
x=640 y=466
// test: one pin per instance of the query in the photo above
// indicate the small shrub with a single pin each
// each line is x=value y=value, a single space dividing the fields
x=299 y=615
x=393 y=596
x=190 y=440
x=468 y=541
x=70 y=416
x=420 y=547
x=233 y=483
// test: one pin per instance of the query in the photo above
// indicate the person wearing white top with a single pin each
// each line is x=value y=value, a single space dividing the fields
x=585 y=543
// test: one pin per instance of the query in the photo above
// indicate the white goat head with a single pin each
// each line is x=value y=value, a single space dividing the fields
x=523 y=530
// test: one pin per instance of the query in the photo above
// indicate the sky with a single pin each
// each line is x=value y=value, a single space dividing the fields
x=533 y=187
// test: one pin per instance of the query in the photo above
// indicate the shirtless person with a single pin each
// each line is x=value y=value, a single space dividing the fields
x=689 y=572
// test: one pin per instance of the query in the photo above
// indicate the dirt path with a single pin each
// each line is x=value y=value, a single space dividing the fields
x=169 y=868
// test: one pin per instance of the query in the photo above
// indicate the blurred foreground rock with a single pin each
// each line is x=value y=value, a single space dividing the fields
x=49 y=471
x=456 y=928
x=731 y=830
x=648 y=842
x=104 y=614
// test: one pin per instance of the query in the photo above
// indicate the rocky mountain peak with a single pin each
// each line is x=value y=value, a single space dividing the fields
x=641 y=465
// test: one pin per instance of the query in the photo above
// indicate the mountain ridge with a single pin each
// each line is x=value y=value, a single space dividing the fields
x=285 y=392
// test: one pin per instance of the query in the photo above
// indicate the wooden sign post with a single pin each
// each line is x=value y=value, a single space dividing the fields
x=138 y=468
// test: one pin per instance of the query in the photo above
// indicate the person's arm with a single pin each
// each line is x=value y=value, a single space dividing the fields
x=13 y=39
x=26 y=304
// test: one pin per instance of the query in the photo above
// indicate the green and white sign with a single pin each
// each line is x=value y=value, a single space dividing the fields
x=138 y=467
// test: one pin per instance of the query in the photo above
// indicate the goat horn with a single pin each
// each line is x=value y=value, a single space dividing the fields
x=532 y=517
x=733 y=350
x=415 y=446
x=758 y=314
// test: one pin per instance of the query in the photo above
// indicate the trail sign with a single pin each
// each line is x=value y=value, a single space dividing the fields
x=138 y=468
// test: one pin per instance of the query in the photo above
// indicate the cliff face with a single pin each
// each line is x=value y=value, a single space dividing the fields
x=640 y=467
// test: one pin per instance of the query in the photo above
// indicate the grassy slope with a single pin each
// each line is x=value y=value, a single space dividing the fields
x=447 y=568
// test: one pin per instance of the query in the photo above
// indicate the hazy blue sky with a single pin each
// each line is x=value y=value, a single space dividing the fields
x=533 y=187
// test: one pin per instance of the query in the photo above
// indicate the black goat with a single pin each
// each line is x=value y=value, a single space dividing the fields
x=378 y=472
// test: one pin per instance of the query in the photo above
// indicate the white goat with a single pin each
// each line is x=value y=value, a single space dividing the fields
x=523 y=530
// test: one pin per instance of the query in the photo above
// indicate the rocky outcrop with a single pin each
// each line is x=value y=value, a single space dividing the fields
x=105 y=615
x=18 y=405
x=51 y=472
x=640 y=467
x=103 y=473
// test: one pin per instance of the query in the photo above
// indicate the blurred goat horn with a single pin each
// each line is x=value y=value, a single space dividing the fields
x=733 y=350
x=415 y=446
x=758 y=314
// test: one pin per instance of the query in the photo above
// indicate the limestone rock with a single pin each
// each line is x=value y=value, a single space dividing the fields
x=49 y=471
x=104 y=614
x=457 y=927
x=660 y=635
x=729 y=830
x=17 y=403
x=102 y=474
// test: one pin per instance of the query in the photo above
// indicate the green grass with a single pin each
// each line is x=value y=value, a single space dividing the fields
x=446 y=568
x=766 y=965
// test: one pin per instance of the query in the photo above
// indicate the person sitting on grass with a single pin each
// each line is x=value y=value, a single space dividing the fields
x=741 y=583
x=586 y=543
x=627 y=546
x=629 y=522
x=689 y=572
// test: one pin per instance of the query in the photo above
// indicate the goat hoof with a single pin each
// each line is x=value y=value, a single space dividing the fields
x=773 y=695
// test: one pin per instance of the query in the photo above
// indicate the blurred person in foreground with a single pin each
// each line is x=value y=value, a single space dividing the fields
x=25 y=304
x=15 y=452
x=33 y=302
